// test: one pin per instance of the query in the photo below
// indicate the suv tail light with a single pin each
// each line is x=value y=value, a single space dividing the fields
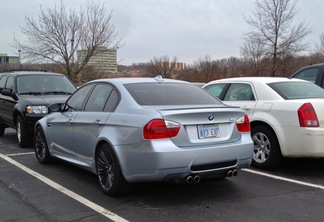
x=307 y=116
x=243 y=124
x=159 y=129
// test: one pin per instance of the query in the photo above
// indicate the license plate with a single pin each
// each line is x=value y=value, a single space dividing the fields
x=208 y=131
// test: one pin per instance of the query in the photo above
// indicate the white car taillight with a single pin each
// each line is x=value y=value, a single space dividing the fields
x=243 y=124
x=307 y=116
x=159 y=129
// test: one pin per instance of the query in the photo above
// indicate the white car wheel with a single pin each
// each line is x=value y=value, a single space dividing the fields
x=267 y=154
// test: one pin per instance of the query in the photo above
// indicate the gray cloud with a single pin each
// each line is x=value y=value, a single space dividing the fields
x=186 y=29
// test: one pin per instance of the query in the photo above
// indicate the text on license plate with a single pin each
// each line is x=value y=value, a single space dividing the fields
x=208 y=131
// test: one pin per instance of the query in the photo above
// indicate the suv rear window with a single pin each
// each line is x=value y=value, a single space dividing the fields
x=308 y=74
x=297 y=90
x=170 y=94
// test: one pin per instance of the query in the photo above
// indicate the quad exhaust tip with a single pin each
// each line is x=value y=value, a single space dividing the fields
x=196 y=178
x=189 y=179
x=232 y=173
x=193 y=179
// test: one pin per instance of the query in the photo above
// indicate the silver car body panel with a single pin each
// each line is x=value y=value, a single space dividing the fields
x=74 y=136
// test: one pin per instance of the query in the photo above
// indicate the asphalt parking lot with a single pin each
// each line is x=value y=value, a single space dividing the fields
x=61 y=192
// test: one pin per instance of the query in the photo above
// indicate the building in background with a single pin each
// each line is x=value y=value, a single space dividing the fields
x=9 y=60
x=104 y=61
x=180 y=66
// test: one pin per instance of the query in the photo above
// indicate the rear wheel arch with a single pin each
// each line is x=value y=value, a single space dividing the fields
x=274 y=157
x=265 y=124
x=101 y=143
x=109 y=173
x=257 y=123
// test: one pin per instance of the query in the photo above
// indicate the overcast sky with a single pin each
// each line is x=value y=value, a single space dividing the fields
x=186 y=29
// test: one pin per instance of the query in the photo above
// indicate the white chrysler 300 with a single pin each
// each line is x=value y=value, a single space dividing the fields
x=287 y=115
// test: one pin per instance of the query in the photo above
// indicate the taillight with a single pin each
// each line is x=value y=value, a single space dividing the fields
x=307 y=116
x=243 y=124
x=159 y=129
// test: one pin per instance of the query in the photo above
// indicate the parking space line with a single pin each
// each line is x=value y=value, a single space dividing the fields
x=80 y=199
x=285 y=179
x=20 y=154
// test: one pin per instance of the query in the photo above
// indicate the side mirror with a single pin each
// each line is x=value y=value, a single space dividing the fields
x=8 y=92
x=56 y=107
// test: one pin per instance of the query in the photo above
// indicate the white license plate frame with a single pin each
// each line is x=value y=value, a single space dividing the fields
x=207 y=131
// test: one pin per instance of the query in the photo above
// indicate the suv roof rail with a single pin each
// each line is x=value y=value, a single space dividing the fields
x=17 y=70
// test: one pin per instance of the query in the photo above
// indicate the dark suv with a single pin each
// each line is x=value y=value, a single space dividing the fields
x=313 y=73
x=24 y=97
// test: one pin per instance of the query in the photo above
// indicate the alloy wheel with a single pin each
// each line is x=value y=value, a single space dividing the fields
x=262 y=147
x=40 y=146
x=19 y=131
x=106 y=173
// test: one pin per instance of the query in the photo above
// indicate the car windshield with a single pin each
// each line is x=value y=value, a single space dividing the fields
x=44 y=84
x=297 y=90
x=170 y=94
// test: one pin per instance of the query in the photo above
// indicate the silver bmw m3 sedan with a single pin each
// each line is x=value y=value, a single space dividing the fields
x=128 y=130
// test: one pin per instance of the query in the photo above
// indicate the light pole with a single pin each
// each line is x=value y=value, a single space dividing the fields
x=19 y=51
x=72 y=50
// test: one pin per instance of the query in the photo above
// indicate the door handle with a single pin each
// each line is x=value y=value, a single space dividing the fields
x=98 y=122
x=246 y=107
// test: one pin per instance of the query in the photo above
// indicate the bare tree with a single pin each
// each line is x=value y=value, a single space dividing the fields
x=272 y=24
x=162 y=66
x=206 y=69
x=253 y=52
x=58 y=34
x=320 y=46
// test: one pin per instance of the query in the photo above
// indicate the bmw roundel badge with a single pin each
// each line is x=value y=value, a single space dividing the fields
x=211 y=117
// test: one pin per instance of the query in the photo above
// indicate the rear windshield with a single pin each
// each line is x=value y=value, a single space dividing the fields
x=169 y=94
x=297 y=90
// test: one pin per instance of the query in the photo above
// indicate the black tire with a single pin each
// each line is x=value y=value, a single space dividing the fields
x=24 y=138
x=41 y=149
x=109 y=174
x=2 y=129
x=267 y=154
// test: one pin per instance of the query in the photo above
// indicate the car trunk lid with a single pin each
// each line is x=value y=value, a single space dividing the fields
x=200 y=126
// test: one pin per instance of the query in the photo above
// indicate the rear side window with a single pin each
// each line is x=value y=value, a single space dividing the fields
x=112 y=101
x=239 y=92
x=216 y=89
x=297 y=90
x=307 y=74
x=170 y=94
x=98 y=98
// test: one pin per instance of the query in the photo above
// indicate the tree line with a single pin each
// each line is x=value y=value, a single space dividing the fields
x=205 y=69
x=273 y=46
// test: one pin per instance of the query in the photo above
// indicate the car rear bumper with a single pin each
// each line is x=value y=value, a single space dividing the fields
x=161 y=160
x=304 y=142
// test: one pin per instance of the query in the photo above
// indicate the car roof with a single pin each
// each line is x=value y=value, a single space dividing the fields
x=307 y=67
x=29 y=72
x=313 y=65
x=260 y=79
x=128 y=80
